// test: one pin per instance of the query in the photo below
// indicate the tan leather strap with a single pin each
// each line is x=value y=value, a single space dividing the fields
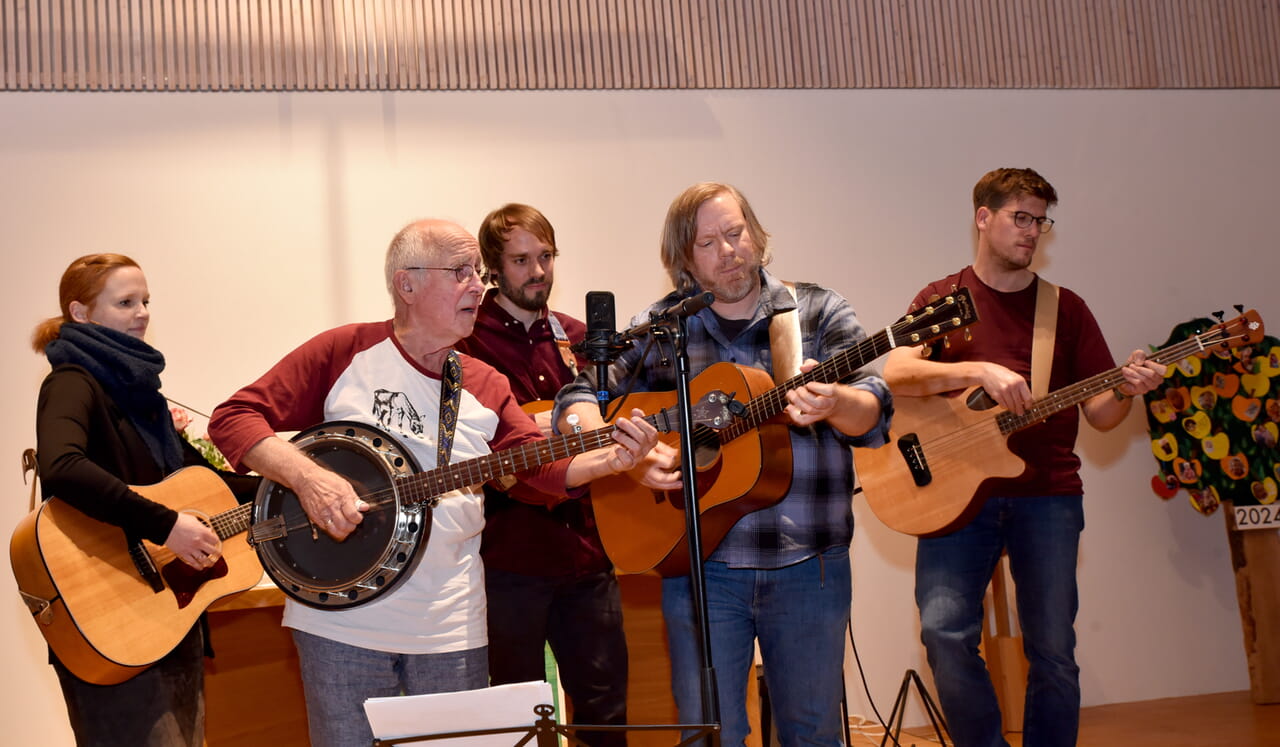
x=1042 y=342
x=29 y=464
x=784 y=340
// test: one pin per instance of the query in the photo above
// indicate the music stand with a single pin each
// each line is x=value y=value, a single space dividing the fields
x=545 y=730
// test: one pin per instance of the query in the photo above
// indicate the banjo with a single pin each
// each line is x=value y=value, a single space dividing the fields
x=313 y=568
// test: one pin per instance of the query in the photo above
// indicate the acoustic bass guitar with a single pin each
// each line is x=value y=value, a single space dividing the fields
x=929 y=480
x=110 y=608
x=747 y=465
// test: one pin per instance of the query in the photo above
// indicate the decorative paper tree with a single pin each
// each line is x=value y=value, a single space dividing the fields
x=1215 y=423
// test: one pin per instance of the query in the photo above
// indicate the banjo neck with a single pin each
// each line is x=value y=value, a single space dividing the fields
x=427 y=487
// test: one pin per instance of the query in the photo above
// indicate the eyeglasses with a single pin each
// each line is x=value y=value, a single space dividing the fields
x=1023 y=219
x=463 y=273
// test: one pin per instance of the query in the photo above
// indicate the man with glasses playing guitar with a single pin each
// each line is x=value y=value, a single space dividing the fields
x=1038 y=517
x=781 y=573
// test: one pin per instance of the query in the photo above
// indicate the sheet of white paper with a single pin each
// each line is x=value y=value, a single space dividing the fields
x=469 y=710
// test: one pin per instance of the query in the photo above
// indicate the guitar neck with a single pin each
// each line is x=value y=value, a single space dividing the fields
x=233 y=521
x=836 y=368
x=425 y=486
x=1073 y=395
x=938 y=318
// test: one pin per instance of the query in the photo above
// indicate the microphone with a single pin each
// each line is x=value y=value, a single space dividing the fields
x=598 y=346
x=686 y=307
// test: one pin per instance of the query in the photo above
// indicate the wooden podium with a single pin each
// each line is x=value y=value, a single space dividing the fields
x=253 y=688
x=1255 y=559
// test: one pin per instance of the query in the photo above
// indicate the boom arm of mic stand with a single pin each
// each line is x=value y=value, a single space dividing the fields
x=692 y=518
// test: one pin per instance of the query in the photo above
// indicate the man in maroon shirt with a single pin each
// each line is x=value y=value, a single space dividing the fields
x=1036 y=518
x=547 y=577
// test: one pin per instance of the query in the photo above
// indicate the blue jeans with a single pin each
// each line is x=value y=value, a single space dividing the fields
x=799 y=614
x=337 y=679
x=582 y=620
x=1042 y=537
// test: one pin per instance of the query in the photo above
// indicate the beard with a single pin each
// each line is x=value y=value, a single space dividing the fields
x=529 y=301
x=734 y=288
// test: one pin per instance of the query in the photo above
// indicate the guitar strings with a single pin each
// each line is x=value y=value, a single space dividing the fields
x=946 y=445
x=421 y=487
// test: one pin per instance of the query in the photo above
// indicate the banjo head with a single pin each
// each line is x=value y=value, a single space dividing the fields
x=309 y=565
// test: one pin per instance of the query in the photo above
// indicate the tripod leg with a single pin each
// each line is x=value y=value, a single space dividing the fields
x=932 y=710
x=899 y=708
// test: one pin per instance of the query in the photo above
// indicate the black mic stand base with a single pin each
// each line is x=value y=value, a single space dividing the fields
x=900 y=710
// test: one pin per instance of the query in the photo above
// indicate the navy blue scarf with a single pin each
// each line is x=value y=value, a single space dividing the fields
x=129 y=371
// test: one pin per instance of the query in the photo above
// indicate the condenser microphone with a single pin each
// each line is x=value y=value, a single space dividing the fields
x=599 y=344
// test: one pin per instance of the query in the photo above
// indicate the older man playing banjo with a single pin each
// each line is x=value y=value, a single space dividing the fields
x=401 y=376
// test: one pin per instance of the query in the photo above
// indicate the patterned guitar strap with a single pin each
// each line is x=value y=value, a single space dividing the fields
x=450 y=399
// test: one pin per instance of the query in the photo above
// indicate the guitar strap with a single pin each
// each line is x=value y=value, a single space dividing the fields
x=29 y=464
x=1046 y=330
x=562 y=343
x=450 y=398
x=784 y=340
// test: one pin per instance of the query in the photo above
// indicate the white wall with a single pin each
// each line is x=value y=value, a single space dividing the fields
x=261 y=219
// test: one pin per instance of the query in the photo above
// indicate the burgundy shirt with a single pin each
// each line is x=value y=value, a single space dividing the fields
x=1003 y=335
x=519 y=537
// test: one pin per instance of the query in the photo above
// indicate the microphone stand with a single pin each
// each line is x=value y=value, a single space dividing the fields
x=692 y=518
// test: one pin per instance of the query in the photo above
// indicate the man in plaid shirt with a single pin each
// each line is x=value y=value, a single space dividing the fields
x=781 y=575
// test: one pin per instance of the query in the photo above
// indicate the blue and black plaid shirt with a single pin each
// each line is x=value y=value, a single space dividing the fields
x=816 y=513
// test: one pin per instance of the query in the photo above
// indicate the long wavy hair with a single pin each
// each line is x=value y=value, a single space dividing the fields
x=681 y=227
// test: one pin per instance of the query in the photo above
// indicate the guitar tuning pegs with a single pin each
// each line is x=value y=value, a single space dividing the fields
x=1238 y=307
x=968 y=335
x=1218 y=315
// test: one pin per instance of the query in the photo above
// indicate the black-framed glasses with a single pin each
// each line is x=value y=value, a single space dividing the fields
x=463 y=273
x=1023 y=219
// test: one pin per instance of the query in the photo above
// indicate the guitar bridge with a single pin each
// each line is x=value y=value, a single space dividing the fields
x=909 y=445
x=267 y=530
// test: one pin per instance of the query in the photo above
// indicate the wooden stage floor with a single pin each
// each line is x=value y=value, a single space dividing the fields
x=1221 y=719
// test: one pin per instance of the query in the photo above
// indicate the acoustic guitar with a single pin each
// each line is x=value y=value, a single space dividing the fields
x=108 y=608
x=929 y=480
x=745 y=466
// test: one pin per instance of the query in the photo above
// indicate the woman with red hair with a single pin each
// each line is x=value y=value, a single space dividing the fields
x=103 y=425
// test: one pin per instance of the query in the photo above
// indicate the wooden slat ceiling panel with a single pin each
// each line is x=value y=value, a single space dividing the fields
x=300 y=45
